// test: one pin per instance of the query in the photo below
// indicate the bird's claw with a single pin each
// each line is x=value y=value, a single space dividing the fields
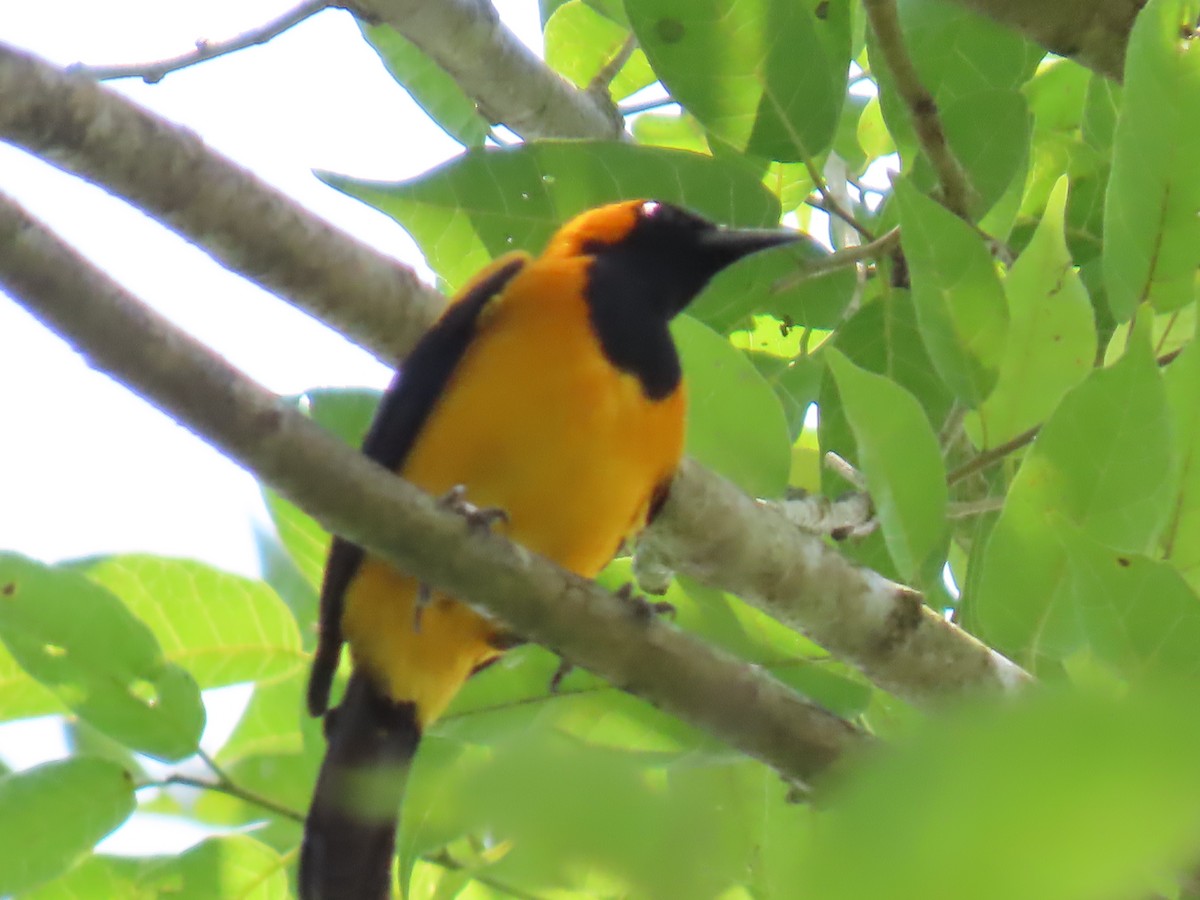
x=641 y=607
x=480 y=518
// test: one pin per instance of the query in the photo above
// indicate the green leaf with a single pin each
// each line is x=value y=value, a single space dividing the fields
x=1103 y=463
x=433 y=89
x=95 y=877
x=1139 y=614
x=235 y=866
x=1051 y=341
x=958 y=54
x=1152 y=216
x=81 y=642
x=222 y=628
x=580 y=41
x=989 y=133
x=1060 y=796
x=766 y=76
x=960 y=304
x=899 y=454
x=750 y=287
x=1181 y=541
x=488 y=202
x=21 y=695
x=56 y=812
x=271 y=723
x=735 y=423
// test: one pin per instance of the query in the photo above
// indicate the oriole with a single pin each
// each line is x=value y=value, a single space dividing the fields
x=549 y=389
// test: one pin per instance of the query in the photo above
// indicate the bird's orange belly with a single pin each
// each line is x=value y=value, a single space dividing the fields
x=573 y=454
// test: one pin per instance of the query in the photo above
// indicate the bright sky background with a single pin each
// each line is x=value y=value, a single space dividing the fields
x=85 y=466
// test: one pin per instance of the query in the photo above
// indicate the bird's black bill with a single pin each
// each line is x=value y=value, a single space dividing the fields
x=726 y=246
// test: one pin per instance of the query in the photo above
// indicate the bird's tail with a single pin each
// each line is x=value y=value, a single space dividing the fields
x=350 y=832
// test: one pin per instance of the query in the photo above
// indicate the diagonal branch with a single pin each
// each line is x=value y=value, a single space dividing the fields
x=957 y=192
x=239 y=220
x=795 y=578
x=728 y=698
x=489 y=63
x=154 y=72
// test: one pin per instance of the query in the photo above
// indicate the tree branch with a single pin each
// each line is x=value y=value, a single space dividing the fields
x=352 y=496
x=364 y=294
x=957 y=192
x=489 y=63
x=154 y=72
x=243 y=223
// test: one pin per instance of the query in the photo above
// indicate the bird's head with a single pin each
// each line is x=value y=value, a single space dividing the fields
x=658 y=250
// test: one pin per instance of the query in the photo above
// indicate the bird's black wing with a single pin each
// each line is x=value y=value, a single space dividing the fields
x=402 y=412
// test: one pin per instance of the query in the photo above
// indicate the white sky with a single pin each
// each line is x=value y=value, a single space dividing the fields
x=85 y=466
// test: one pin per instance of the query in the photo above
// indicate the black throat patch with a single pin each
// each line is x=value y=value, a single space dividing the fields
x=630 y=314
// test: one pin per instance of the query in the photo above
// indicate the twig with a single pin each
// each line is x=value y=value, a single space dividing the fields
x=629 y=109
x=829 y=203
x=842 y=467
x=725 y=697
x=957 y=193
x=840 y=259
x=604 y=78
x=995 y=454
x=225 y=786
x=968 y=508
x=152 y=73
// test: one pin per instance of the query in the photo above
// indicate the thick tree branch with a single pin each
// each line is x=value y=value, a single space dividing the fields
x=730 y=699
x=363 y=293
x=239 y=220
x=957 y=193
x=154 y=72
x=489 y=63
x=713 y=532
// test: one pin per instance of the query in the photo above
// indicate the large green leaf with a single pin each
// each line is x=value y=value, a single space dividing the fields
x=1102 y=463
x=1060 y=796
x=580 y=41
x=958 y=54
x=434 y=89
x=766 y=76
x=81 y=642
x=1139 y=614
x=735 y=423
x=236 y=867
x=1181 y=541
x=94 y=877
x=56 y=812
x=21 y=695
x=989 y=134
x=1052 y=338
x=960 y=302
x=1152 y=217
x=222 y=628
x=488 y=202
x=899 y=453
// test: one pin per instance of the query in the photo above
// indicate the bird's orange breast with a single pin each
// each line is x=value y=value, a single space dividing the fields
x=537 y=422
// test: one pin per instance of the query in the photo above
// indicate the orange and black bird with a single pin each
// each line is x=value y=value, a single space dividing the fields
x=550 y=389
